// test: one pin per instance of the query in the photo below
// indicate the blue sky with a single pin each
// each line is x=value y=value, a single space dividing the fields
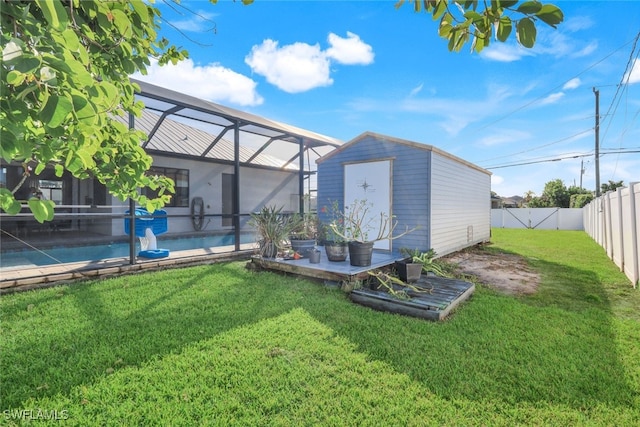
x=341 y=68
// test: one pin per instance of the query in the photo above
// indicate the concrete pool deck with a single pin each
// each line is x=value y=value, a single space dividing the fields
x=22 y=278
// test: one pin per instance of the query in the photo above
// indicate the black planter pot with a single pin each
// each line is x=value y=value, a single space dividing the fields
x=303 y=246
x=336 y=251
x=360 y=253
x=314 y=256
x=409 y=272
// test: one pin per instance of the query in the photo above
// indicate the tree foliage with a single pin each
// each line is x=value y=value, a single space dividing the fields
x=462 y=20
x=556 y=194
x=611 y=186
x=65 y=68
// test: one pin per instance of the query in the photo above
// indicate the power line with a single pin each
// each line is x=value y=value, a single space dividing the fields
x=553 y=89
x=539 y=146
x=572 y=156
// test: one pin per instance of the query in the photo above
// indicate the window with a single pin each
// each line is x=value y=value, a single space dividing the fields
x=181 y=179
x=51 y=190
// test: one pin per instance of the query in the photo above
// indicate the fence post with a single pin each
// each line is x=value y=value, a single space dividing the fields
x=634 y=269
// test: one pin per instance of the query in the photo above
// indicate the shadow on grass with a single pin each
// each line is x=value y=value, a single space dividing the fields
x=69 y=336
x=557 y=347
x=494 y=348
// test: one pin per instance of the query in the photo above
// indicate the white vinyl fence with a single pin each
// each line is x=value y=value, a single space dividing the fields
x=540 y=218
x=613 y=220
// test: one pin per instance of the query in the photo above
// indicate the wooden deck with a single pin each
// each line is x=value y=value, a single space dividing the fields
x=327 y=270
x=441 y=297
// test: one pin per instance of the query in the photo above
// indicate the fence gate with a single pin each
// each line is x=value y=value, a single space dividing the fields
x=537 y=218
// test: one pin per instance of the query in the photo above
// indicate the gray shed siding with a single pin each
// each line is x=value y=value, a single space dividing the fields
x=461 y=205
x=410 y=189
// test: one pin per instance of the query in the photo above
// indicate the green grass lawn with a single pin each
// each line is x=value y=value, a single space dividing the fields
x=222 y=345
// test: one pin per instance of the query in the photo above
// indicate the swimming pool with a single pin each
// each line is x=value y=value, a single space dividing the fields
x=60 y=254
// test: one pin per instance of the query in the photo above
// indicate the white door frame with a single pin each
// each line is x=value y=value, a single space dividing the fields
x=371 y=181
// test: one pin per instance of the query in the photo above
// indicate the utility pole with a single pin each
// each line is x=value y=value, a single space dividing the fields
x=581 y=171
x=597 y=93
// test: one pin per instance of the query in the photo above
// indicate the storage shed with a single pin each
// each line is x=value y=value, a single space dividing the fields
x=448 y=198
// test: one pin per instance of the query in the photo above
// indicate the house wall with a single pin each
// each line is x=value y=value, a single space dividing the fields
x=461 y=204
x=258 y=187
x=410 y=189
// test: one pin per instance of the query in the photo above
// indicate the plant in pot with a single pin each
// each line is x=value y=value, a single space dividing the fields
x=335 y=245
x=417 y=262
x=362 y=229
x=304 y=229
x=272 y=228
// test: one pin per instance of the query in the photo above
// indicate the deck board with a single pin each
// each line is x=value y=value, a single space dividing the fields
x=446 y=295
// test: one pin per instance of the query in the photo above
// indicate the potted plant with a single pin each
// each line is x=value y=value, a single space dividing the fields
x=416 y=263
x=304 y=228
x=335 y=246
x=273 y=229
x=362 y=230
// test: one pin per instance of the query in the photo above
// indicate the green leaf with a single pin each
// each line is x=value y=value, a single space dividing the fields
x=15 y=78
x=8 y=203
x=71 y=39
x=43 y=210
x=85 y=112
x=478 y=43
x=27 y=64
x=529 y=7
x=59 y=170
x=440 y=9
x=473 y=15
x=526 y=32
x=54 y=12
x=504 y=29
x=56 y=110
x=122 y=23
x=508 y=3
x=550 y=15
x=141 y=9
x=39 y=168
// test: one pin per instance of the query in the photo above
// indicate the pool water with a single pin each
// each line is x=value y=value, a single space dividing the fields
x=56 y=255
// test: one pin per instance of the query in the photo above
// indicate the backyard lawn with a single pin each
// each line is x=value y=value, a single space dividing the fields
x=223 y=345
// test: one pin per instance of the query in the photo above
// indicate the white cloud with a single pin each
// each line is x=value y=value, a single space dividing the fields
x=293 y=68
x=300 y=67
x=504 y=136
x=212 y=82
x=553 y=98
x=633 y=76
x=496 y=180
x=502 y=52
x=572 y=84
x=350 y=50
x=577 y=23
x=198 y=22
x=416 y=90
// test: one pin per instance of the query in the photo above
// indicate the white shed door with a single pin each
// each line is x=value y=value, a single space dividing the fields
x=370 y=181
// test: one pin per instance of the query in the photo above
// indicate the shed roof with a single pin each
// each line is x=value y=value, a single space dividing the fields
x=394 y=140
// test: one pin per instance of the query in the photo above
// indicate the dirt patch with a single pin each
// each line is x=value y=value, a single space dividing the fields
x=505 y=273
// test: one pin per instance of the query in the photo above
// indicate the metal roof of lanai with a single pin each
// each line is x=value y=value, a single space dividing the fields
x=179 y=105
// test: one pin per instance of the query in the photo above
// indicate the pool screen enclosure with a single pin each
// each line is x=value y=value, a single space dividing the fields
x=292 y=144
